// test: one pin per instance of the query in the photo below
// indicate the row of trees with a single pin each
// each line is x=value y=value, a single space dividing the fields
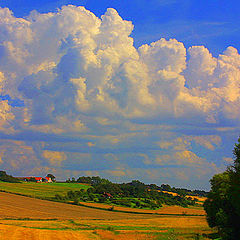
x=223 y=203
x=164 y=187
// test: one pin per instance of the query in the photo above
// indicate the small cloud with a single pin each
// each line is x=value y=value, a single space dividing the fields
x=227 y=159
x=55 y=158
x=116 y=173
x=210 y=141
x=90 y=144
x=165 y=145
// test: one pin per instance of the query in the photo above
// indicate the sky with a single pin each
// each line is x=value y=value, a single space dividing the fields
x=146 y=90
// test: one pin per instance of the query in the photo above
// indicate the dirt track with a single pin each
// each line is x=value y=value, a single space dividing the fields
x=15 y=206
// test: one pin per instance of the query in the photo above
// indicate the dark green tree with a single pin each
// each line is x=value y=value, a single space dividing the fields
x=8 y=178
x=223 y=202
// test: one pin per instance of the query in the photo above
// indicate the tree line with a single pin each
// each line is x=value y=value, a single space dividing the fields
x=133 y=194
x=223 y=202
x=164 y=187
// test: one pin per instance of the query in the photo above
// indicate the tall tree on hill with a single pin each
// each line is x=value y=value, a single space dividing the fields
x=223 y=203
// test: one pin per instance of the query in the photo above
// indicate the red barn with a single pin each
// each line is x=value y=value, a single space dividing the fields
x=38 y=179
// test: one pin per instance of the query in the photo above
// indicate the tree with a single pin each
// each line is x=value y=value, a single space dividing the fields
x=51 y=176
x=223 y=202
x=8 y=178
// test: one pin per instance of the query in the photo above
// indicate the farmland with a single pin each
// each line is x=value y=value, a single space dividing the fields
x=23 y=217
x=130 y=229
x=34 y=218
x=40 y=190
x=165 y=210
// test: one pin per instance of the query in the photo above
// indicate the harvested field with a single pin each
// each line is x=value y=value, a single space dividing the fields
x=51 y=220
x=130 y=229
x=15 y=206
x=19 y=233
x=163 y=222
x=164 y=210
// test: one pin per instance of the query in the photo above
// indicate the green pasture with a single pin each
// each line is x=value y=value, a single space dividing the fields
x=40 y=190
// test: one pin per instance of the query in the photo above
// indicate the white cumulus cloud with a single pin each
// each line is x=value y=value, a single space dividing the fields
x=80 y=74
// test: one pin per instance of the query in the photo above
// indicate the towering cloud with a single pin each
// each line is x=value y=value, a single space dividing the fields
x=78 y=74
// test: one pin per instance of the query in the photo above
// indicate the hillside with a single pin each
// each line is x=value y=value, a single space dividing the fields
x=96 y=190
x=134 y=194
x=41 y=190
x=15 y=206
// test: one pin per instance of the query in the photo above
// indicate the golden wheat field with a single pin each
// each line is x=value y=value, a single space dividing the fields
x=164 y=210
x=28 y=218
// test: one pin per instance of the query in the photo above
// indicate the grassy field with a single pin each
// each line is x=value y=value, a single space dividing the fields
x=40 y=190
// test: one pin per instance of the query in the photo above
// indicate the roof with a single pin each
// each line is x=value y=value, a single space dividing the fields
x=37 y=178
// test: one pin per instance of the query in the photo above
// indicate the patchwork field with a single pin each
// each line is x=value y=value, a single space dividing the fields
x=28 y=218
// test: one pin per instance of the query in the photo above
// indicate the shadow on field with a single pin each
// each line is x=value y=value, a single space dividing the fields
x=214 y=236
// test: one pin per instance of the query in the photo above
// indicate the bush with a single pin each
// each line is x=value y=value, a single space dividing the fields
x=75 y=201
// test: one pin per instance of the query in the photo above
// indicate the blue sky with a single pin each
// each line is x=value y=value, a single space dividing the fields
x=126 y=90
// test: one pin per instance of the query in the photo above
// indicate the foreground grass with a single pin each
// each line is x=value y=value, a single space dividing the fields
x=40 y=190
x=118 y=230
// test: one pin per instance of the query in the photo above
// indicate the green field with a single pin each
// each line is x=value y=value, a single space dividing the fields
x=40 y=190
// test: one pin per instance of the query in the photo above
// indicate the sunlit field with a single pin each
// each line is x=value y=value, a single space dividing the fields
x=28 y=218
x=151 y=228
x=40 y=190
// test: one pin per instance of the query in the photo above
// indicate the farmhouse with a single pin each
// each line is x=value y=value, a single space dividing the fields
x=48 y=179
x=35 y=179
x=107 y=195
